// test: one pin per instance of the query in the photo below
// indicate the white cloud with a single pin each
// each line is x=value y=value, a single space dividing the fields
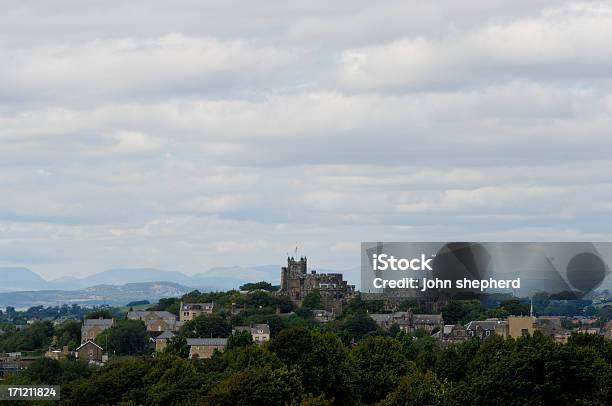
x=138 y=67
x=565 y=42
x=206 y=134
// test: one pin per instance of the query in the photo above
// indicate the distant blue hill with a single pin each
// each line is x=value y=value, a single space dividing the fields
x=222 y=278
x=218 y=278
x=19 y=278
x=114 y=295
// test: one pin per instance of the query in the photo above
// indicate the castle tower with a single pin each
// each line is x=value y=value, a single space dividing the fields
x=297 y=267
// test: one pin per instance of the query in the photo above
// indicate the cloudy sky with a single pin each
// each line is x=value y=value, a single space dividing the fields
x=190 y=134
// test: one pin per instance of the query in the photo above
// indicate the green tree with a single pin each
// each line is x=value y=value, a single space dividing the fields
x=258 y=285
x=321 y=360
x=515 y=308
x=412 y=305
x=258 y=386
x=313 y=300
x=535 y=370
x=172 y=380
x=239 y=338
x=120 y=380
x=177 y=346
x=103 y=313
x=36 y=336
x=46 y=371
x=68 y=333
x=419 y=388
x=253 y=356
x=451 y=362
x=358 y=325
x=169 y=304
x=206 y=325
x=380 y=363
x=462 y=311
x=127 y=337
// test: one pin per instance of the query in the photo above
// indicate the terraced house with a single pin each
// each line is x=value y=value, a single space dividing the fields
x=93 y=327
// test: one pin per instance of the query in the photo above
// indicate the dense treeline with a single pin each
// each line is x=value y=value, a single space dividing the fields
x=346 y=361
x=41 y=334
x=307 y=366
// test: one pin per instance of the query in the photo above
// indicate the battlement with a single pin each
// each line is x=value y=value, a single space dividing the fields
x=297 y=283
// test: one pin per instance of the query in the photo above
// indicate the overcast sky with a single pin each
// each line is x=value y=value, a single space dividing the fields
x=190 y=134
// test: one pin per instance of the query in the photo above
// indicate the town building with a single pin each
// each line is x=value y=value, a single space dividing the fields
x=322 y=315
x=607 y=330
x=454 y=333
x=61 y=320
x=205 y=347
x=146 y=315
x=484 y=328
x=93 y=327
x=57 y=354
x=90 y=351
x=549 y=326
x=519 y=326
x=427 y=322
x=161 y=341
x=259 y=332
x=156 y=320
x=409 y=322
x=13 y=362
x=297 y=283
x=190 y=311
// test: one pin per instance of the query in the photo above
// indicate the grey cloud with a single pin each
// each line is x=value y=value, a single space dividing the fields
x=196 y=134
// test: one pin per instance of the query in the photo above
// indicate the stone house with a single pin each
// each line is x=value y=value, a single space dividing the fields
x=57 y=354
x=93 y=327
x=156 y=320
x=454 y=333
x=190 y=311
x=205 y=347
x=259 y=332
x=484 y=328
x=162 y=340
x=409 y=322
x=89 y=351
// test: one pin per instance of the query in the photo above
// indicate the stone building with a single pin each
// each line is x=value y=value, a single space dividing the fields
x=519 y=326
x=190 y=311
x=205 y=347
x=454 y=333
x=90 y=351
x=93 y=327
x=156 y=320
x=259 y=332
x=161 y=341
x=58 y=354
x=484 y=328
x=409 y=322
x=549 y=326
x=297 y=283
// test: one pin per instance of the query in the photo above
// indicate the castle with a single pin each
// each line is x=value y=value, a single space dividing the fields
x=297 y=283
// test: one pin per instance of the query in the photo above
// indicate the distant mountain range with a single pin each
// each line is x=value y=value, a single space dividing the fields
x=21 y=287
x=221 y=278
x=115 y=295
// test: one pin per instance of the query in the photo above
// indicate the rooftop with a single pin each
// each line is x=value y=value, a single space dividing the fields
x=206 y=341
x=98 y=322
